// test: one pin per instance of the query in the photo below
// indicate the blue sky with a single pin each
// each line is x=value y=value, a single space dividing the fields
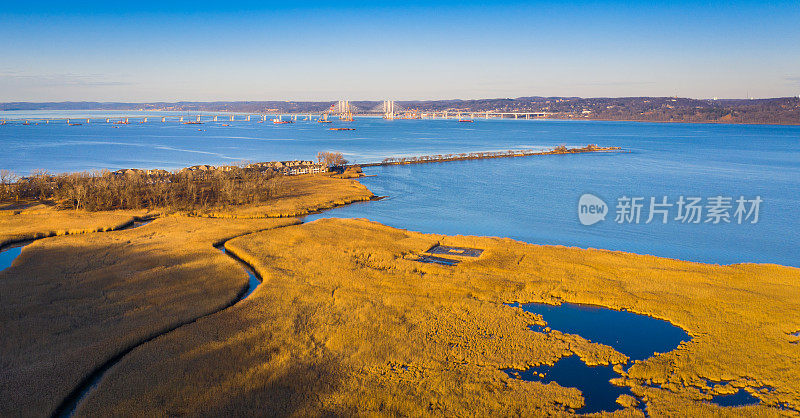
x=148 y=51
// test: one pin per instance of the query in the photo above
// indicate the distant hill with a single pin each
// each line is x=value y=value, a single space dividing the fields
x=782 y=110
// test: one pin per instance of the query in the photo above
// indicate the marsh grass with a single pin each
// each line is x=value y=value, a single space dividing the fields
x=35 y=220
x=406 y=338
x=71 y=302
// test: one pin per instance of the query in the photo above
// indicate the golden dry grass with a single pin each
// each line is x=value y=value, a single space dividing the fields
x=298 y=196
x=39 y=221
x=70 y=303
x=347 y=323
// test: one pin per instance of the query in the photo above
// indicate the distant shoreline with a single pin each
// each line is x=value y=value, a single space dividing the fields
x=660 y=109
x=710 y=122
x=372 y=116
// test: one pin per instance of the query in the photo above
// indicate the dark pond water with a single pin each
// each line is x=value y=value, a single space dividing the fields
x=740 y=398
x=636 y=336
x=593 y=382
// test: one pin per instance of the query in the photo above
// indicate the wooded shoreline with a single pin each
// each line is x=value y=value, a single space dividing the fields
x=207 y=187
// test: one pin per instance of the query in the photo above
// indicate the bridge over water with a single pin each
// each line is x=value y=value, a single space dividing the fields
x=344 y=110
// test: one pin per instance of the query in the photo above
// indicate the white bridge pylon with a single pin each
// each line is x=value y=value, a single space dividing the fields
x=343 y=108
x=388 y=109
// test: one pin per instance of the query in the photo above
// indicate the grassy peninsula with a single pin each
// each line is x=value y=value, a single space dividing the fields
x=348 y=322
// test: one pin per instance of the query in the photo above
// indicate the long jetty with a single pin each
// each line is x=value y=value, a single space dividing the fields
x=440 y=158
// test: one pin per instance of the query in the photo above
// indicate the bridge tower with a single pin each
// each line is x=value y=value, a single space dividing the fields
x=388 y=109
x=345 y=111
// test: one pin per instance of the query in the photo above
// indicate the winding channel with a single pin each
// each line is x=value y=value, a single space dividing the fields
x=88 y=384
x=67 y=408
x=10 y=252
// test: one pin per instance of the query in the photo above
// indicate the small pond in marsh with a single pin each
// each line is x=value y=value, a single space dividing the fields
x=740 y=398
x=637 y=336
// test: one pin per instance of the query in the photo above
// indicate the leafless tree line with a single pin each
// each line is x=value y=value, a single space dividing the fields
x=135 y=189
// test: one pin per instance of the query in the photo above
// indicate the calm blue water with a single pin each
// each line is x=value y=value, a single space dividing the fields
x=252 y=282
x=58 y=148
x=740 y=398
x=531 y=199
x=593 y=382
x=636 y=336
x=8 y=255
x=535 y=199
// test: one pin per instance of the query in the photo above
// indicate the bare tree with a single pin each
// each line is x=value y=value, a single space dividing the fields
x=331 y=159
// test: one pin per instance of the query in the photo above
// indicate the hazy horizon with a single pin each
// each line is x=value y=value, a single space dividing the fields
x=382 y=99
x=320 y=51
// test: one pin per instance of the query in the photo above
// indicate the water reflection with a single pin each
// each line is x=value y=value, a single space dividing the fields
x=593 y=382
x=636 y=336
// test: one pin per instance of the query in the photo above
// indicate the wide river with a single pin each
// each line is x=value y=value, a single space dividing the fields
x=533 y=199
